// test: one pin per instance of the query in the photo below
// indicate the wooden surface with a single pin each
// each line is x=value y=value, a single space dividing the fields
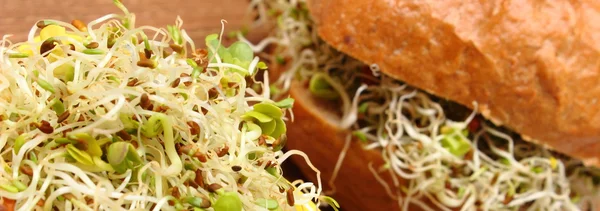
x=200 y=17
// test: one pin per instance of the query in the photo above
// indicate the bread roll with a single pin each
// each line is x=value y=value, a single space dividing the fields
x=356 y=186
x=533 y=66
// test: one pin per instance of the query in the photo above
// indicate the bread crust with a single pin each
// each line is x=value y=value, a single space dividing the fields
x=533 y=66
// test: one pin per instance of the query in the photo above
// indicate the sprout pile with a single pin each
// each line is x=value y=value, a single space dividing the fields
x=439 y=162
x=107 y=115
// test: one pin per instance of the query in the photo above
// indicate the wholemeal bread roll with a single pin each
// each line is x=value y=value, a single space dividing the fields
x=533 y=66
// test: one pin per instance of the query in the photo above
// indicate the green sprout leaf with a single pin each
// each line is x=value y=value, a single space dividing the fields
x=58 y=106
x=241 y=51
x=80 y=156
x=254 y=131
x=262 y=66
x=360 y=135
x=122 y=156
x=285 y=103
x=152 y=127
x=19 y=185
x=319 y=86
x=46 y=85
x=332 y=202
x=229 y=201
x=65 y=72
x=9 y=188
x=537 y=169
x=95 y=51
x=175 y=34
x=19 y=141
x=269 y=109
x=363 y=107
x=93 y=148
x=268 y=127
x=191 y=62
x=146 y=43
x=280 y=143
x=17 y=55
x=62 y=140
x=198 y=202
x=272 y=171
x=258 y=116
x=101 y=165
x=279 y=59
x=454 y=143
x=279 y=128
x=130 y=125
x=270 y=204
x=238 y=53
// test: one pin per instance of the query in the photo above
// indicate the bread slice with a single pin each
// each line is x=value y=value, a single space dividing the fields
x=358 y=185
x=317 y=125
x=532 y=66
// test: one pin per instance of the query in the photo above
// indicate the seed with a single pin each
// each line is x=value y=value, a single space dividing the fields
x=236 y=168
x=214 y=187
x=199 y=179
x=281 y=189
x=495 y=178
x=175 y=192
x=26 y=170
x=92 y=45
x=40 y=203
x=213 y=93
x=132 y=82
x=262 y=140
x=185 y=75
x=62 y=117
x=290 y=196
x=507 y=199
x=161 y=108
x=45 y=127
x=176 y=48
x=41 y=24
x=201 y=156
x=194 y=128
x=145 y=102
x=469 y=155
x=146 y=63
x=176 y=82
x=47 y=45
x=147 y=53
x=223 y=151
x=185 y=149
x=79 y=25
x=72 y=48
x=124 y=135
x=8 y=204
x=69 y=196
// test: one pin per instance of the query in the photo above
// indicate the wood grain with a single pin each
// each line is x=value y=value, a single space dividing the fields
x=200 y=17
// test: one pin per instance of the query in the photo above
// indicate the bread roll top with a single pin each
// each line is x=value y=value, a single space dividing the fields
x=533 y=66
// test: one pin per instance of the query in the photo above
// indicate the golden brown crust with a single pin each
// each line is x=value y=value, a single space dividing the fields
x=315 y=132
x=533 y=66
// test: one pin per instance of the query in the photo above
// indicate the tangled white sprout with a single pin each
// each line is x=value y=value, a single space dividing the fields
x=112 y=116
x=467 y=163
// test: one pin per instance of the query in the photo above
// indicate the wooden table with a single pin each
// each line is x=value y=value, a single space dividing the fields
x=200 y=17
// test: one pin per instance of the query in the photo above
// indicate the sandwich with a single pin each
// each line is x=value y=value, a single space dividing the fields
x=108 y=115
x=453 y=105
